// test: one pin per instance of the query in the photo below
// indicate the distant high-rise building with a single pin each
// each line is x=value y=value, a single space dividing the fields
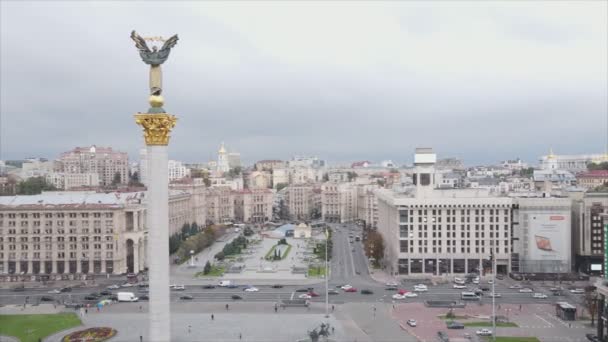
x=104 y=161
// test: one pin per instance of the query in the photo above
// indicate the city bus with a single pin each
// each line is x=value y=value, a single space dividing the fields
x=469 y=296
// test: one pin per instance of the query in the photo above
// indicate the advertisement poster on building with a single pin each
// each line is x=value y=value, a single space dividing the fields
x=550 y=237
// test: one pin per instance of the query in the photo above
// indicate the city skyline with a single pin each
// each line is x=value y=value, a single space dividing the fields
x=520 y=78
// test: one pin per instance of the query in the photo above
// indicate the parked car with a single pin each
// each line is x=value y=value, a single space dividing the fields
x=144 y=297
x=186 y=297
x=277 y=286
x=484 y=332
x=454 y=325
x=351 y=289
x=332 y=292
x=208 y=287
x=411 y=322
x=367 y=292
x=236 y=297
x=525 y=290
x=46 y=299
x=539 y=296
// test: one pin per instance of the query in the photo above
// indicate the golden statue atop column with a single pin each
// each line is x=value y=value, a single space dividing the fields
x=157 y=124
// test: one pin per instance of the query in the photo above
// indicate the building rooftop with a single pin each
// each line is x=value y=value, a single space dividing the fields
x=70 y=199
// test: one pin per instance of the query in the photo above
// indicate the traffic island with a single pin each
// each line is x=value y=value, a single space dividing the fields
x=33 y=328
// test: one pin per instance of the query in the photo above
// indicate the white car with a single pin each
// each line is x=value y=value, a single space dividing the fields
x=391 y=284
x=476 y=281
x=179 y=287
x=577 y=291
x=54 y=291
x=515 y=287
x=399 y=296
x=126 y=285
x=411 y=322
x=420 y=289
x=526 y=290
x=456 y=286
x=251 y=289
x=494 y=295
x=490 y=281
x=113 y=287
x=539 y=296
x=410 y=295
x=346 y=287
x=484 y=332
x=305 y=296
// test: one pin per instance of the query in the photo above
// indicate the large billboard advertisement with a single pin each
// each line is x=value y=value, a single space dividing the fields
x=549 y=237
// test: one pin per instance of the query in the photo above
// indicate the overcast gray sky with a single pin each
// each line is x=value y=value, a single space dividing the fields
x=344 y=81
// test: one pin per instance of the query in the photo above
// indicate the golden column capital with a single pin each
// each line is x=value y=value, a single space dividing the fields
x=156 y=127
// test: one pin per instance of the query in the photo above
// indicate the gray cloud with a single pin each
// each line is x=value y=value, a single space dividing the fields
x=271 y=80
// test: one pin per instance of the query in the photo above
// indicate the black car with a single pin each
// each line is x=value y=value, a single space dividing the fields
x=186 y=297
x=89 y=297
x=73 y=305
x=277 y=286
x=367 y=292
x=19 y=289
x=236 y=297
x=114 y=298
x=301 y=290
x=208 y=286
x=106 y=293
x=94 y=294
x=333 y=292
x=500 y=277
x=144 y=290
x=144 y=297
x=46 y=299
x=484 y=288
x=66 y=289
x=454 y=325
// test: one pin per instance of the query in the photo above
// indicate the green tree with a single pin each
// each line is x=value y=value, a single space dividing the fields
x=374 y=246
x=326 y=177
x=34 y=186
x=235 y=171
x=528 y=172
x=220 y=255
x=597 y=166
x=117 y=179
x=281 y=186
x=351 y=175
x=207 y=268
x=185 y=231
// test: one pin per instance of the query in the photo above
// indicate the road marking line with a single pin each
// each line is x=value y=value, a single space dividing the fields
x=544 y=320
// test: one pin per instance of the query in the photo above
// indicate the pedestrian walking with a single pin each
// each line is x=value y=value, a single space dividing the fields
x=86 y=311
x=141 y=338
x=519 y=307
x=275 y=308
x=240 y=336
x=140 y=308
x=212 y=317
x=227 y=307
x=189 y=329
x=332 y=308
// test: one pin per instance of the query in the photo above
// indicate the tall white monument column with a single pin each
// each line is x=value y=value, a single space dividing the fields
x=156 y=132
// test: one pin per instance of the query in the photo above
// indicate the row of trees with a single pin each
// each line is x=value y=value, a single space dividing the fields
x=187 y=231
x=34 y=186
x=199 y=241
x=374 y=246
x=319 y=249
x=596 y=166
x=234 y=247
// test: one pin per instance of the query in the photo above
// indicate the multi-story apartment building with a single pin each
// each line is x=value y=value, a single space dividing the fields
x=592 y=179
x=542 y=235
x=220 y=204
x=100 y=160
x=588 y=234
x=67 y=181
x=72 y=233
x=339 y=202
x=431 y=231
x=367 y=205
x=253 y=205
x=269 y=165
x=299 y=201
x=180 y=211
x=196 y=188
x=177 y=170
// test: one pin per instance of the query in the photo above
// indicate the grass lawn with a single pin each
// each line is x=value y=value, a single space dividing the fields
x=489 y=324
x=316 y=272
x=513 y=339
x=31 y=328
x=270 y=253
x=454 y=317
x=214 y=272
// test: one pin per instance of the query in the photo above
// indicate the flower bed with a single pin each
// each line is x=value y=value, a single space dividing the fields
x=90 y=335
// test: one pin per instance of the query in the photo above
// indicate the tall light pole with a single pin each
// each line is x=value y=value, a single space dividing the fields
x=493 y=265
x=326 y=274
